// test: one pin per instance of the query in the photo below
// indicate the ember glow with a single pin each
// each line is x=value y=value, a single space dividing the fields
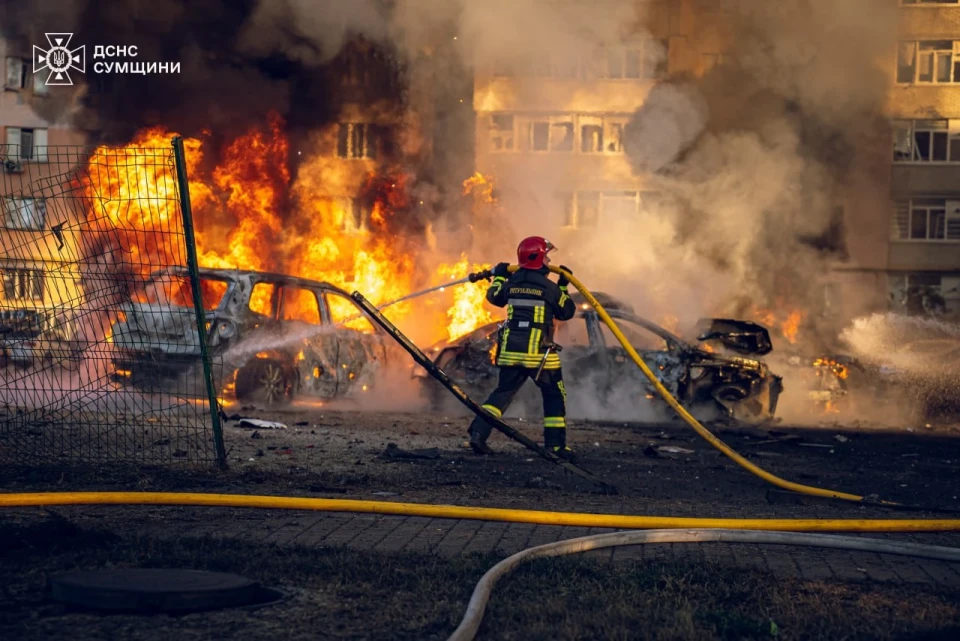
x=250 y=214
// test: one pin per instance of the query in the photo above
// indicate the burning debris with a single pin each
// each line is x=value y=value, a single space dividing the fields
x=731 y=387
x=273 y=337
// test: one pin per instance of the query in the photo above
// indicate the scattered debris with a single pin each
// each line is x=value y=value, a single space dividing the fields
x=784 y=439
x=815 y=445
x=302 y=423
x=259 y=453
x=163 y=441
x=540 y=483
x=255 y=434
x=395 y=452
x=841 y=438
x=675 y=450
x=263 y=425
x=384 y=493
x=914 y=455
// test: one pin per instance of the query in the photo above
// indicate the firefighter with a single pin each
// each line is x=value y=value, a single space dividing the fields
x=525 y=345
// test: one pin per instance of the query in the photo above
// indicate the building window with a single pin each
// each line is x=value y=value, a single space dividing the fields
x=24 y=213
x=643 y=60
x=929 y=62
x=619 y=205
x=926 y=141
x=357 y=140
x=27 y=144
x=24 y=285
x=591 y=135
x=561 y=134
x=924 y=293
x=502 y=132
x=926 y=219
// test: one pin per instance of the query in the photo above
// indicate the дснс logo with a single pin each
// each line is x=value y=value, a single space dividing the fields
x=58 y=59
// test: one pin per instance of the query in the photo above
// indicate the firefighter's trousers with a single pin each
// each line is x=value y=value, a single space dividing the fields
x=554 y=403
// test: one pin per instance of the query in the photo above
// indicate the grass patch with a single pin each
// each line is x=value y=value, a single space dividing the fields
x=343 y=594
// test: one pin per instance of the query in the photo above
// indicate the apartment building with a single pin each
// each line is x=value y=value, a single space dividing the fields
x=923 y=258
x=37 y=248
x=551 y=132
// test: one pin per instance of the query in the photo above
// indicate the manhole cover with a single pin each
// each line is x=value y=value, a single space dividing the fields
x=155 y=590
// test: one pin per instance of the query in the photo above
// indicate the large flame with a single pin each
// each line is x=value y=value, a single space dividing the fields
x=249 y=215
x=467 y=311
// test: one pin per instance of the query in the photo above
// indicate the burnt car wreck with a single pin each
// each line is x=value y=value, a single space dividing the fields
x=715 y=379
x=272 y=337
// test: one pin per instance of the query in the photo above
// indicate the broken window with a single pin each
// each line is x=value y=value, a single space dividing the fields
x=263 y=299
x=24 y=285
x=176 y=291
x=539 y=136
x=929 y=61
x=906 y=62
x=501 y=132
x=561 y=134
x=345 y=312
x=299 y=304
x=18 y=73
x=926 y=141
x=591 y=135
x=613 y=135
x=27 y=144
x=25 y=213
x=927 y=219
x=356 y=140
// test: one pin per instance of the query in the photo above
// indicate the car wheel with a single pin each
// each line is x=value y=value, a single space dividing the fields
x=264 y=383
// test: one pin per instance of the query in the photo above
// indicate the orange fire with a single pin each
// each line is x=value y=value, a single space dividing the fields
x=839 y=370
x=249 y=214
x=467 y=311
x=788 y=325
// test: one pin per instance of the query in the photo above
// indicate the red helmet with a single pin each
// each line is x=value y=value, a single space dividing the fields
x=532 y=250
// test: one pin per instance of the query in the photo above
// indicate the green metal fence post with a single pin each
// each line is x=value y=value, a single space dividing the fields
x=187 y=213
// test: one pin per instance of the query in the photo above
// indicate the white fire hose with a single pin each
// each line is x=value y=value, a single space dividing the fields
x=470 y=624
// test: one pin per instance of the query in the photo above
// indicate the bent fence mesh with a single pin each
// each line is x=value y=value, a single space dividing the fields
x=101 y=351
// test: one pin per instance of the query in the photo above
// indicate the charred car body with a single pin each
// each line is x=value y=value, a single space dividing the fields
x=31 y=338
x=272 y=337
x=739 y=388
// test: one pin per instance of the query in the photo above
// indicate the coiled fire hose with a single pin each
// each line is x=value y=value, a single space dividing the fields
x=470 y=624
x=686 y=416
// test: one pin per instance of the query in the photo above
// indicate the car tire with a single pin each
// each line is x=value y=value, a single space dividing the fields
x=266 y=383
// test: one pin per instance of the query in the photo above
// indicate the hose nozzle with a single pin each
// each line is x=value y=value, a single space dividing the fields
x=484 y=275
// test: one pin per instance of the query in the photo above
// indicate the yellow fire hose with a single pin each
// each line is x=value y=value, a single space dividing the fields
x=690 y=420
x=473 y=513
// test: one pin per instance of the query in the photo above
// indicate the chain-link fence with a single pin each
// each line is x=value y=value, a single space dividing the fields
x=103 y=341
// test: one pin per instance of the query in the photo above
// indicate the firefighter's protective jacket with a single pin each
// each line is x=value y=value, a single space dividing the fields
x=533 y=301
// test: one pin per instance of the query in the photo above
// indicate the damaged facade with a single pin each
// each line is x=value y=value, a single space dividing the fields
x=39 y=239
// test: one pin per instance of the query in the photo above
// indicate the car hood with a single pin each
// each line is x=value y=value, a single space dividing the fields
x=743 y=337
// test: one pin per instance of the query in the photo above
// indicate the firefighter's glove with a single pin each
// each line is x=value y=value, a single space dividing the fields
x=501 y=270
x=563 y=282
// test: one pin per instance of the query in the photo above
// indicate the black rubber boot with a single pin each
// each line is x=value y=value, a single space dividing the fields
x=555 y=441
x=479 y=431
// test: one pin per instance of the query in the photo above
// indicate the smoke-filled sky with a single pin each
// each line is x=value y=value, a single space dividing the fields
x=754 y=161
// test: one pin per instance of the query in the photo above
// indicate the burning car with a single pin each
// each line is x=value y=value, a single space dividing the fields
x=272 y=337
x=739 y=388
